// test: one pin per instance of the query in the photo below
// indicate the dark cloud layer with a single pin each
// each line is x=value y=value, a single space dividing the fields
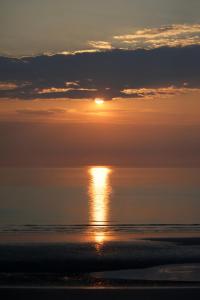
x=101 y=74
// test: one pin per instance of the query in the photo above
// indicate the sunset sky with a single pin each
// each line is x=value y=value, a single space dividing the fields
x=141 y=57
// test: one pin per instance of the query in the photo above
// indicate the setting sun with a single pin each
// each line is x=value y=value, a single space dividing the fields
x=98 y=101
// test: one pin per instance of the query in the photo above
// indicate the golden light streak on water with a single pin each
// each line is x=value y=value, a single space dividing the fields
x=99 y=194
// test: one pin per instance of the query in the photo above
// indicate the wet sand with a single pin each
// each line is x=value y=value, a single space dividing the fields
x=69 y=258
x=67 y=270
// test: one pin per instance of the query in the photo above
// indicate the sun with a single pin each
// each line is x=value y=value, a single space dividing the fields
x=99 y=101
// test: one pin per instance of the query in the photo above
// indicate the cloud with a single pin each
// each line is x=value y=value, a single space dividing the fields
x=115 y=73
x=30 y=111
x=75 y=52
x=175 y=35
x=63 y=90
x=4 y=86
x=72 y=83
x=159 y=92
x=102 y=45
x=54 y=90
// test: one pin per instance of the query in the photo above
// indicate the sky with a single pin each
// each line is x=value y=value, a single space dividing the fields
x=32 y=27
x=141 y=57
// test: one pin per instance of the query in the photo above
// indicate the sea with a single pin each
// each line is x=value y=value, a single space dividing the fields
x=99 y=226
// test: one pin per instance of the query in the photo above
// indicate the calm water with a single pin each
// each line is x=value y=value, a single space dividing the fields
x=99 y=195
x=99 y=200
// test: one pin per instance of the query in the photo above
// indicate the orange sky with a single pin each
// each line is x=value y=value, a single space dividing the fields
x=145 y=132
x=181 y=109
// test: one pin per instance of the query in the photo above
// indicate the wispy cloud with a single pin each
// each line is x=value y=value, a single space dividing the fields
x=76 y=52
x=72 y=83
x=171 y=35
x=53 y=90
x=102 y=45
x=159 y=92
x=38 y=112
x=5 y=86
x=63 y=90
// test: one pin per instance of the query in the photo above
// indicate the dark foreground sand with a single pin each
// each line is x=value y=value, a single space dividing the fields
x=25 y=266
x=117 y=293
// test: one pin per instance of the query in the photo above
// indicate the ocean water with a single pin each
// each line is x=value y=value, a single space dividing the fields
x=100 y=219
x=99 y=195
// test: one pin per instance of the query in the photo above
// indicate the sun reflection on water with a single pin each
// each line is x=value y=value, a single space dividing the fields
x=99 y=193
